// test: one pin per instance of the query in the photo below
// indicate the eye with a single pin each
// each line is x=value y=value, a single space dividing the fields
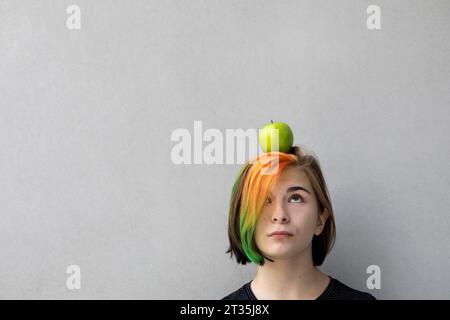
x=298 y=197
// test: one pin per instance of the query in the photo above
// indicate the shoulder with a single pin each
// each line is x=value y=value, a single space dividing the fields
x=340 y=291
x=240 y=294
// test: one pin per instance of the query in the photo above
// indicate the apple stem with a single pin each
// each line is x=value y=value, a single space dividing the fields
x=271 y=121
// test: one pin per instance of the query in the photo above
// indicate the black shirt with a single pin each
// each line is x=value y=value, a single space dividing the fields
x=335 y=290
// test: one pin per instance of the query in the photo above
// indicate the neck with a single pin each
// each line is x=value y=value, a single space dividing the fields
x=293 y=278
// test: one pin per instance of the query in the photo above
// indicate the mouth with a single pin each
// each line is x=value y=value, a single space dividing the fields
x=280 y=233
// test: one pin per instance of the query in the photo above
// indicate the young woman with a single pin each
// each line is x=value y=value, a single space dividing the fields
x=284 y=223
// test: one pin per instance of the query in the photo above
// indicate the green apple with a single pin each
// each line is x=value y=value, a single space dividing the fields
x=285 y=136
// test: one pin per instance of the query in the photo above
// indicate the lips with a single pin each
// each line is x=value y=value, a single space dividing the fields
x=280 y=233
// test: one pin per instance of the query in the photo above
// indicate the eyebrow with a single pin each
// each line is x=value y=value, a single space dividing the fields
x=294 y=188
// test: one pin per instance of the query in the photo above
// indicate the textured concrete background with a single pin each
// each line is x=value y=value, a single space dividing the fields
x=86 y=118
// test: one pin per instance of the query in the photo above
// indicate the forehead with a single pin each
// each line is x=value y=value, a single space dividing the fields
x=292 y=176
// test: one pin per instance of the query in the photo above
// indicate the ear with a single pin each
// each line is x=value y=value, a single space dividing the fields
x=321 y=219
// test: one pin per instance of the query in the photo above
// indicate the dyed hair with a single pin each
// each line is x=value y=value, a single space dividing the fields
x=251 y=189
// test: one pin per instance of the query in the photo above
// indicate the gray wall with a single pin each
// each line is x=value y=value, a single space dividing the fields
x=86 y=118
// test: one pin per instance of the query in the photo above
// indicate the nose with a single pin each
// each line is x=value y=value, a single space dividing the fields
x=279 y=214
x=282 y=219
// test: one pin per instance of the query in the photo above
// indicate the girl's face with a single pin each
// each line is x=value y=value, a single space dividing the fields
x=292 y=207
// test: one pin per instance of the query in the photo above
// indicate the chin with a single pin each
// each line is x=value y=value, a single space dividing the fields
x=283 y=253
x=280 y=254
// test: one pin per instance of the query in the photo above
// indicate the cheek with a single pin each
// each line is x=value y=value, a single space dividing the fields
x=260 y=229
x=305 y=223
x=263 y=226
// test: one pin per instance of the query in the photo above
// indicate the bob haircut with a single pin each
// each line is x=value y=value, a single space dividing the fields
x=250 y=191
